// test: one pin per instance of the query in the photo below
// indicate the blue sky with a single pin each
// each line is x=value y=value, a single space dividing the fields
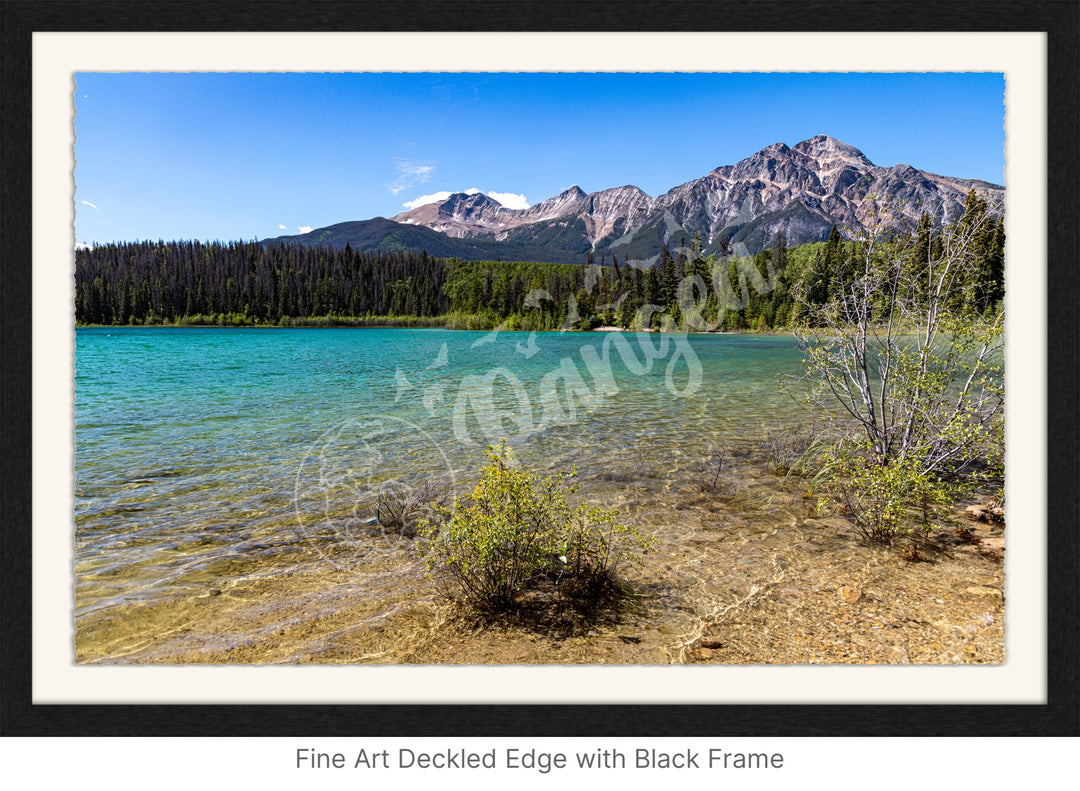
x=245 y=156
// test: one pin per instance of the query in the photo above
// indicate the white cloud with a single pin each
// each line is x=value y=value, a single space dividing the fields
x=88 y=203
x=435 y=197
x=510 y=200
x=281 y=227
x=423 y=200
x=410 y=173
x=305 y=229
x=83 y=246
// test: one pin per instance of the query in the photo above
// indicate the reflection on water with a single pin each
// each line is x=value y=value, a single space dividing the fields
x=208 y=456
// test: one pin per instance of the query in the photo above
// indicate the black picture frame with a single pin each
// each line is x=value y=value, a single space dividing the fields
x=1060 y=21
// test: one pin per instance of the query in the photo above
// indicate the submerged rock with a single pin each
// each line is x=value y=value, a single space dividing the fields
x=981 y=590
x=849 y=594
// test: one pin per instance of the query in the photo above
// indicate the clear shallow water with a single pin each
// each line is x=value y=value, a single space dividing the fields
x=205 y=454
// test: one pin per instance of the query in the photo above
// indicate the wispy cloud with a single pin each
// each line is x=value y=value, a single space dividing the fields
x=305 y=229
x=435 y=197
x=410 y=173
x=510 y=200
x=88 y=203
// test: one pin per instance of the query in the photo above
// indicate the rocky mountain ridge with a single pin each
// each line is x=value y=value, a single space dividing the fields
x=800 y=190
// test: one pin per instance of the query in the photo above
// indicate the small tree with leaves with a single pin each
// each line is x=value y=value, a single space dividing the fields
x=910 y=374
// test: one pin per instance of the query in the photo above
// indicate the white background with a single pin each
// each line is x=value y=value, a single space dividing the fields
x=269 y=764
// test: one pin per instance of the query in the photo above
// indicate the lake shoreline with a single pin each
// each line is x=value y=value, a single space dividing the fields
x=392 y=326
x=880 y=609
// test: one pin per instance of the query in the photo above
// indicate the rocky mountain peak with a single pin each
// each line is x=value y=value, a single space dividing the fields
x=827 y=149
x=802 y=190
x=776 y=149
x=463 y=202
x=568 y=201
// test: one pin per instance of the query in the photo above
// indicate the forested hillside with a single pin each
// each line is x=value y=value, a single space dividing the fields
x=262 y=284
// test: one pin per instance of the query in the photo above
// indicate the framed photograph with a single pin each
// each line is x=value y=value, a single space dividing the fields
x=581 y=373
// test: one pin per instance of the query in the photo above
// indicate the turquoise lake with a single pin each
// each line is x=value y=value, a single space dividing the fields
x=196 y=447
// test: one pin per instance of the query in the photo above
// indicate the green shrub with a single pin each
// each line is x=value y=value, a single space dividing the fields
x=517 y=528
x=883 y=500
x=595 y=545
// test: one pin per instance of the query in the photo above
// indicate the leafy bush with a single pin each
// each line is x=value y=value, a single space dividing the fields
x=883 y=500
x=516 y=528
x=498 y=537
x=594 y=546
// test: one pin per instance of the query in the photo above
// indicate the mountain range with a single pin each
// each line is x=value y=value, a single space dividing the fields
x=801 y=190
